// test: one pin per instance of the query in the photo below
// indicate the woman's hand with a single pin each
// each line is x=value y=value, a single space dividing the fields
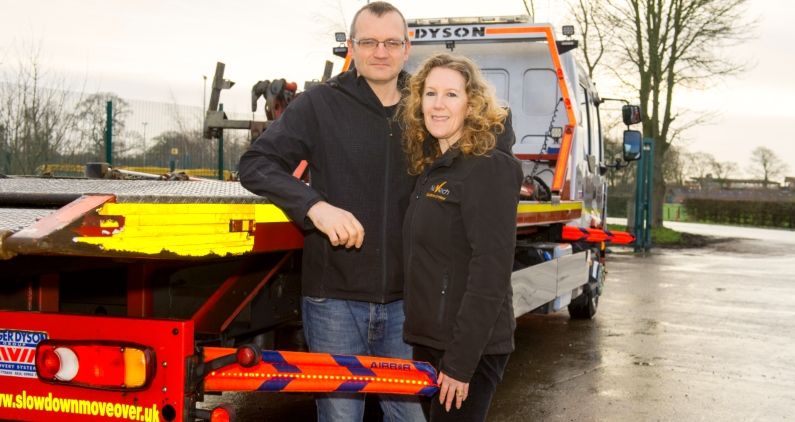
x=449 y=389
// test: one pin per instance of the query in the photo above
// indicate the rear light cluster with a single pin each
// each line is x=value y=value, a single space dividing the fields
x=101 y=365
x=221 y=413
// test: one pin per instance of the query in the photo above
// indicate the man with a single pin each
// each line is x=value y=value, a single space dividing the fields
x=352 y=278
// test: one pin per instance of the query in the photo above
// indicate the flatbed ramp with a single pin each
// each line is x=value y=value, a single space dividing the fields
x=139 y=218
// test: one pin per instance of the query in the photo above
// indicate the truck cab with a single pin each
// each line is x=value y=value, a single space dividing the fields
x=546 y=91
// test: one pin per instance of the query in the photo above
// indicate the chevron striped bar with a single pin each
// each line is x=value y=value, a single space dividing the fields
x=580 y=234
x=322 y=372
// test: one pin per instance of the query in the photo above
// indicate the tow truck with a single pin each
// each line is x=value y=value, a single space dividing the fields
x=132 y=299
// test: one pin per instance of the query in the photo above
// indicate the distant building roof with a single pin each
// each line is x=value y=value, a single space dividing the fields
x=709 y=181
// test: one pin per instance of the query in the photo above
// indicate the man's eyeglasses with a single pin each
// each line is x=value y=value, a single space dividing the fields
x=372 y=44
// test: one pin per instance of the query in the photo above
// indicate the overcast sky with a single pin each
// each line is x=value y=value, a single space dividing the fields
x=160 y=51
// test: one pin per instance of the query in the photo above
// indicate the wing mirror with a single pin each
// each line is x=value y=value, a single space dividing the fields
x=633 y=142
x=630 y=114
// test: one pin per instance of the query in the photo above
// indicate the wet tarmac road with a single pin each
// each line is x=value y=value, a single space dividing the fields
x=701 y=334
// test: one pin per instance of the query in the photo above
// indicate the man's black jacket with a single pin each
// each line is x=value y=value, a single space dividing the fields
x=356 y=163
x=459 y=236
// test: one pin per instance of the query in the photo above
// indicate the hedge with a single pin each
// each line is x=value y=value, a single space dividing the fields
x=779 y=214
x=617 y=205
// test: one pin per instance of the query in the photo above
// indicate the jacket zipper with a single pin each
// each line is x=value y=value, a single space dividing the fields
x=386 y=208
x=445 y=283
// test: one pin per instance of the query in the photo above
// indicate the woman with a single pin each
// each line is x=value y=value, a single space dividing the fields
x=459 y=234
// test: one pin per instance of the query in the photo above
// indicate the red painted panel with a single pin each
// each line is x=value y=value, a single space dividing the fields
x=48 y=297
x=269 y=237
x=24 y=397
x=140 y=300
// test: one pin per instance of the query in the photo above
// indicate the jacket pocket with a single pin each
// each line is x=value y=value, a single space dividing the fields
x=443 y=297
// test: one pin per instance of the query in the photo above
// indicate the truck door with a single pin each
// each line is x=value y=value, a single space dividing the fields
x=593 y=151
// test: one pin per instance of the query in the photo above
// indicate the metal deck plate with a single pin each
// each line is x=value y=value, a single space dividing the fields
x=14 y=219
x=154 y=191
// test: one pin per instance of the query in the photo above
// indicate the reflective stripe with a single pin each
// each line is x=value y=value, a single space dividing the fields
x=546 y=207
x=322 y=372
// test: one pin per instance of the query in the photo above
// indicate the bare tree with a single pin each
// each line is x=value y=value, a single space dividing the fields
x=766 y=165
x=695 y=164
x=193 y=151
x=189 y=148
x=201 y=152
x=91 y=120
x=331 y=19
x=662 y=45
x=722 y=170
x=35 y=120
x=674 y=167
x=591 y=21
x=530 y=7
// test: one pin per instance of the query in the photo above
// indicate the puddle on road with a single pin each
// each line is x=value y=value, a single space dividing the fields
x=648 y=327
x=614 y=393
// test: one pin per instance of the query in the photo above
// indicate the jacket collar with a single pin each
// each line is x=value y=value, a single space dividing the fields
x=355 y=85
x=402 y=82
x=446 y=160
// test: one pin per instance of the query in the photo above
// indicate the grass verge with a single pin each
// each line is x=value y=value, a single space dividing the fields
x=666 y=238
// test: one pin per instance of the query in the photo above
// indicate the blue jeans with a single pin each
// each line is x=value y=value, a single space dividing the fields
x=358 y=328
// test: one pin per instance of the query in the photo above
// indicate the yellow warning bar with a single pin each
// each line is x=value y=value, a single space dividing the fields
x=183 y=229
x=546 y=207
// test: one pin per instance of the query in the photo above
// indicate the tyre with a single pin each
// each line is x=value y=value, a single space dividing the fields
x=584 y=306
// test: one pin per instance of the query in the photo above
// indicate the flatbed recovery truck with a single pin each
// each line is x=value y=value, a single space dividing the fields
x=126 y=298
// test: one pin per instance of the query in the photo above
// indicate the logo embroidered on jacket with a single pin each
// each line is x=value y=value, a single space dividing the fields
x=438 y=191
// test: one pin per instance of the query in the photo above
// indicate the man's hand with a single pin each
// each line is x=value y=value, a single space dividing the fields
x=451 y=389
x=341 y=227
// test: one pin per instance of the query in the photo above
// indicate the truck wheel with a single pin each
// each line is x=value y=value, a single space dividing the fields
x=584 y=307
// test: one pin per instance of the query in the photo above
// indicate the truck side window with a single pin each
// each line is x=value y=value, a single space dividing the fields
x=539 y=92
x=584 y=116
x=596 y=129
x=501 y=82
x=601 y=135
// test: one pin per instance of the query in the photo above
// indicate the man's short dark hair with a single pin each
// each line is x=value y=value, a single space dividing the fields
x=378 y=8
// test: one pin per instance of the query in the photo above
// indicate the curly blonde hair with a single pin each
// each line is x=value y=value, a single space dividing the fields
x=485 y=118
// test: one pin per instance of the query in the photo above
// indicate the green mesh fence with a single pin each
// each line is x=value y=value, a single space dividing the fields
x=63 y=131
